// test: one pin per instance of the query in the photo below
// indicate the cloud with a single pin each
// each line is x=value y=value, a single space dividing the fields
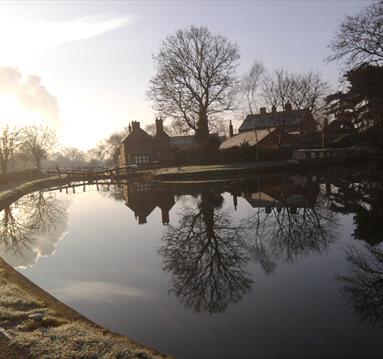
x=98 y=291
x=41 y=244
x=20 y=35
x=29 y=94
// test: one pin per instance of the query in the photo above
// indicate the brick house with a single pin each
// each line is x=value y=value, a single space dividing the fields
x=139 y=147
x=298 y=122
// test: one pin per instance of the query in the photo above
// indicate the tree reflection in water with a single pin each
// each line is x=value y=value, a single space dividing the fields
x=363 y=285
x=364 y=200
x=286 y=232
x=206 y=254
x=13 y=232
x=22 y=222
x=208 y=251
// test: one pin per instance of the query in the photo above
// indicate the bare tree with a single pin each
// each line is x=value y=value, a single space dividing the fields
x=73 y=154
x=108 y=150
x=301 y=90
x=195 y=78
x=9 y=142
x=37 y=142
x=359 y=38
x=250 y=84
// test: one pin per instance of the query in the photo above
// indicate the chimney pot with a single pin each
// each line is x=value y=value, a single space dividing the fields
x=231 y=132
x=288 y=106
x=135 y=125
x=273 y=109
x=262 y=110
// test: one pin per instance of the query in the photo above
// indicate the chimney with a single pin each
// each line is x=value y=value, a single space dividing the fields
x=130 y=128
x=288 y=107
x=135 y=125
x=165 y=216
x=262 y=110
x=231 y=132
x=273 y=109
x=159 y=126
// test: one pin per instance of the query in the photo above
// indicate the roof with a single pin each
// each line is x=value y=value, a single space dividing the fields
x=273 y=119
x=190 y=140
x=261 y=199
x=137 y=135
x=182 y=140
x=250 y=138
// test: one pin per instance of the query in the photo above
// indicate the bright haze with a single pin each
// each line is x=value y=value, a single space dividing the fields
x=84 y=67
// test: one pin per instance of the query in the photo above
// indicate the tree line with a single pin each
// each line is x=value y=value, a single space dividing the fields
x=36 y=146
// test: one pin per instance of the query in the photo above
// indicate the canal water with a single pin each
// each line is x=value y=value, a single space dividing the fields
x=268 y=267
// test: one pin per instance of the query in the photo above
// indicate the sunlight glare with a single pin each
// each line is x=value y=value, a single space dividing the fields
x=12 y=113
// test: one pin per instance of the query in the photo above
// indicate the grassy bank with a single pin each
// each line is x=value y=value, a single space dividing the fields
x=62 y=333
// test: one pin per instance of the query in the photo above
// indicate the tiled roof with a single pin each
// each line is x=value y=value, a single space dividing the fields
x=250 y=138
x=272 y=119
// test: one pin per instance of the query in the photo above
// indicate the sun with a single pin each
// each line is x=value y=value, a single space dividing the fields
x=12 y=113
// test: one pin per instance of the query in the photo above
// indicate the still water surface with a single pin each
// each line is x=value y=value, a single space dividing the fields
x=274 y=267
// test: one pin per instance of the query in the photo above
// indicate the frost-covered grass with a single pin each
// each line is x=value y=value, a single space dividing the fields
x=55 y=336
x=15 y=303
x=77 y=340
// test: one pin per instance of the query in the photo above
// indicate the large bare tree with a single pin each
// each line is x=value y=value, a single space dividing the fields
x=38 y=141
x=195 y=77
x=359 y=38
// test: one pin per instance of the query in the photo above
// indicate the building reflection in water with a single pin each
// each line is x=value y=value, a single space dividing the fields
x=143 y=197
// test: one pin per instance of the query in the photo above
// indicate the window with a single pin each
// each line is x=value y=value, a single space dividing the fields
x=142 y=187
x=313 y=155
x=139 y=159
x=321 y=154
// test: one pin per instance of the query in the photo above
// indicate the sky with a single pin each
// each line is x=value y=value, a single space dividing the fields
x=83 y=67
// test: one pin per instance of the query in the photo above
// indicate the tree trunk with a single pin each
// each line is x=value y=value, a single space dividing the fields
x=202 y=131
x=38 y=165
x=4 y=167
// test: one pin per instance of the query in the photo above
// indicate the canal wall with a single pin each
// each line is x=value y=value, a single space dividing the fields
x=9 y=196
